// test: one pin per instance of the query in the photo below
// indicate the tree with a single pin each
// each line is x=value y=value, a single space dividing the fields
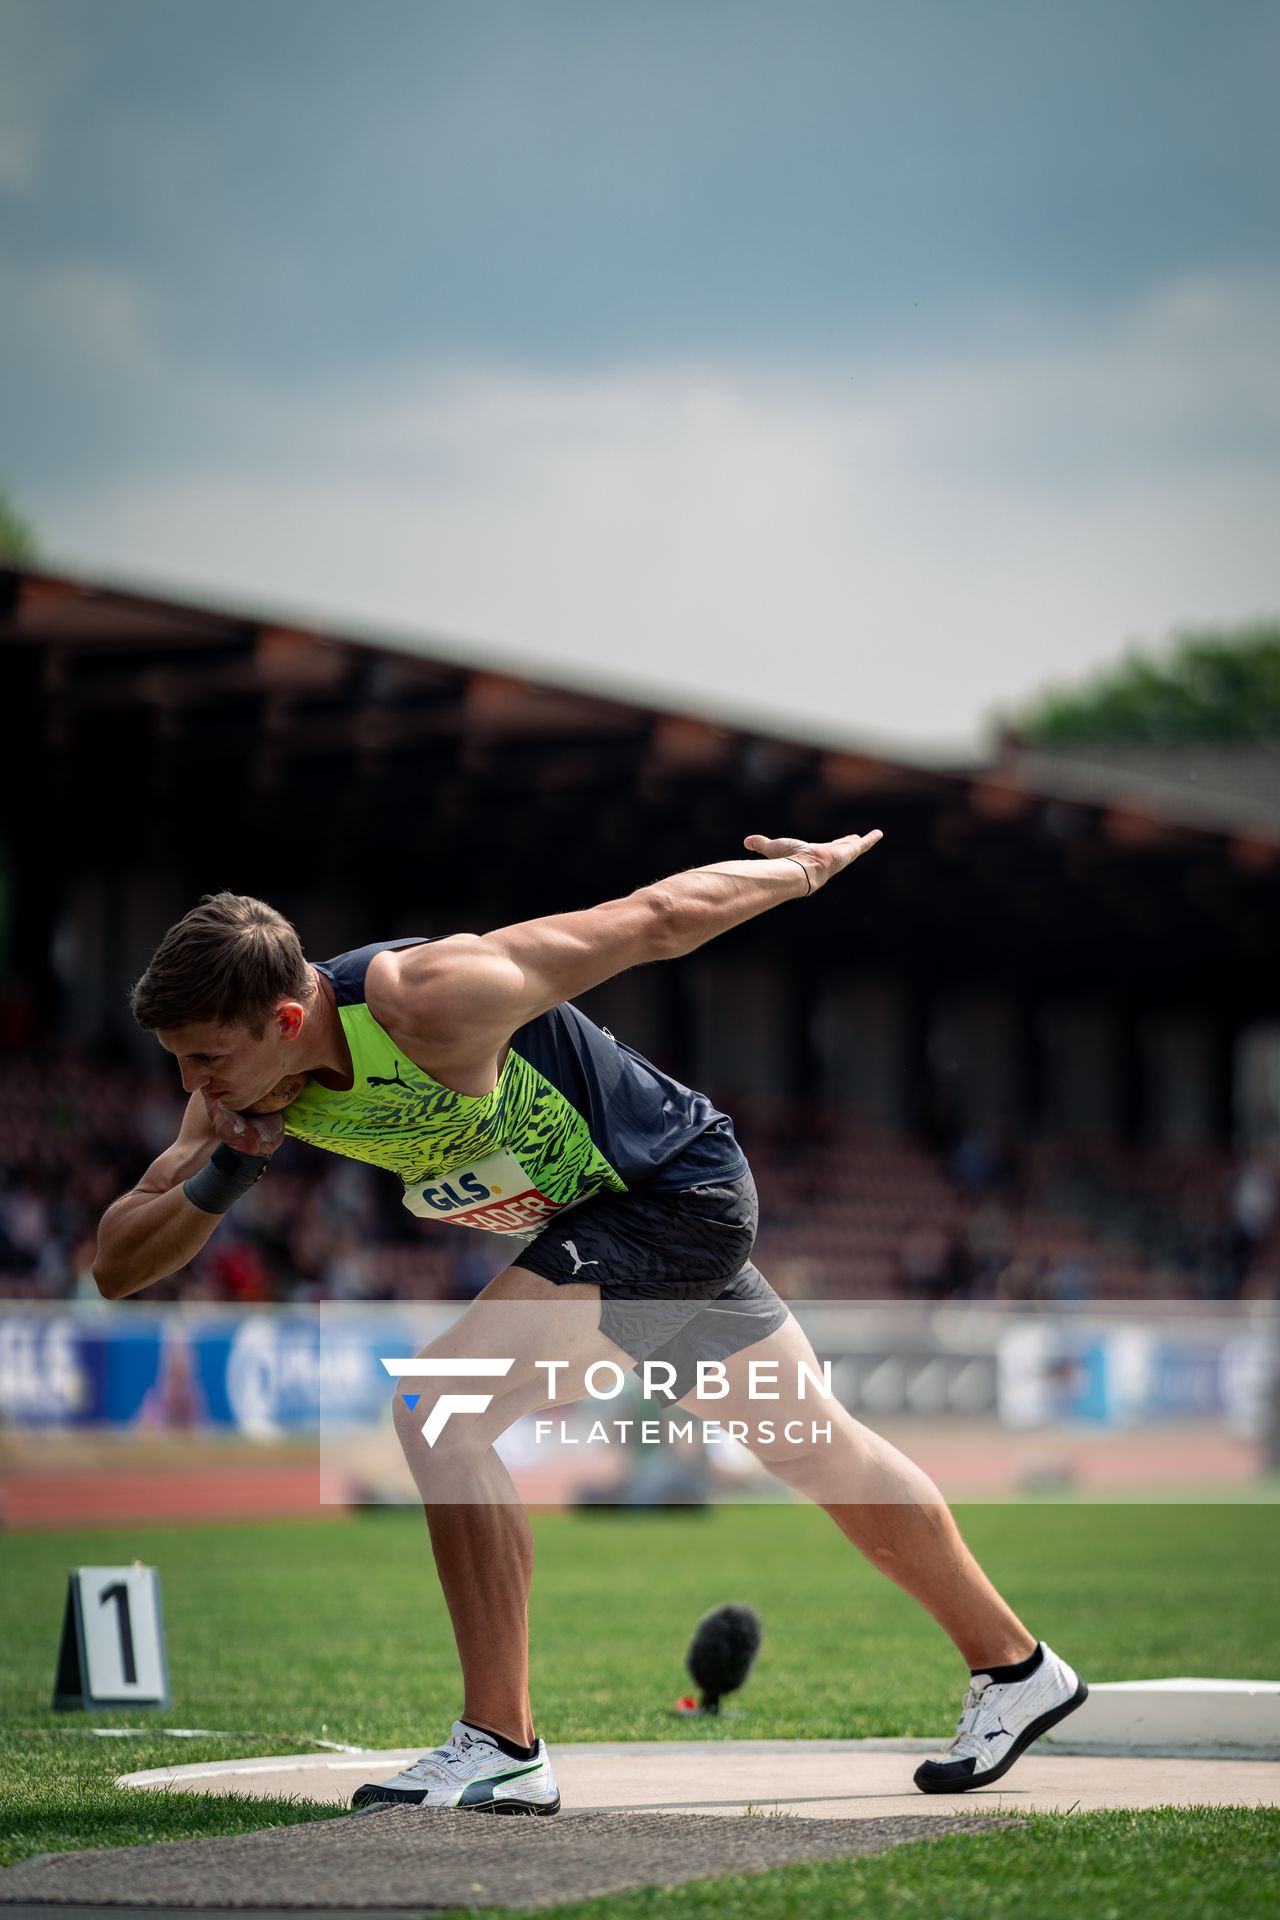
x=1212 y=686
x=18 y=543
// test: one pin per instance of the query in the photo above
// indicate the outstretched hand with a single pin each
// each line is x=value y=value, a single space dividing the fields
x=246 y=1132
x=821 y=860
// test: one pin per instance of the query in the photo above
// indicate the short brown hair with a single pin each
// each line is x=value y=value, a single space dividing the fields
x=231 y=959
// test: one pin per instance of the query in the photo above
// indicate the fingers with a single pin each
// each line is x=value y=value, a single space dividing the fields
x=773 y=849
x=230 y=1126
x=853 y=846
x=859 y=840
x=219 y=1116
x=776 y=849
x=259 y=1133
x=822 y=860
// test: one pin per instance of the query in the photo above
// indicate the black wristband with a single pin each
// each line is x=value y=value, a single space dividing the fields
x=224 y=1177
x=808 y=877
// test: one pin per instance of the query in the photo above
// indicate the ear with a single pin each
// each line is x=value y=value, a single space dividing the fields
x=290 y=1015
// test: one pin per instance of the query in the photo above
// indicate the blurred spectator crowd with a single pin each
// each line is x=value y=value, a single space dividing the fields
x=849 y=1210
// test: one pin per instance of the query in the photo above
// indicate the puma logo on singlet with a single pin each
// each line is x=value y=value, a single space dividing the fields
x=394 y=1081
x=578 y=1264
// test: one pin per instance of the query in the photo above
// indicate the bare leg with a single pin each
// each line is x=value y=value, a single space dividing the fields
x=887 y=1506
x=479 y=1530
x=922 y=1551
x=484 y=1557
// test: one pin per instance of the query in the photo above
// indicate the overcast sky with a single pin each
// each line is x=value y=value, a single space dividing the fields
x=861 y=366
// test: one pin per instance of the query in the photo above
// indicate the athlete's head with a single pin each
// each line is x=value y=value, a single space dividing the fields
x=227 y=992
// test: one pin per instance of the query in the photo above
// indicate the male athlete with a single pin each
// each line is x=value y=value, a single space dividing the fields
x=461 y=1064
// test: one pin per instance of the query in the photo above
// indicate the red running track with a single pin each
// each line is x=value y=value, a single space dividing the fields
x=160 y=1495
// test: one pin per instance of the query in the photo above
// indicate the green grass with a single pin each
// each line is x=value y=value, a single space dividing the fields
x=283 y=1634
x=1176 y=1863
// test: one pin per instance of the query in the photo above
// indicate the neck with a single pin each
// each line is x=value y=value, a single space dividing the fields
x=328 y=1051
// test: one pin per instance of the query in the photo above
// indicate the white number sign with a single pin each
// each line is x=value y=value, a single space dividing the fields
x=112 y=1652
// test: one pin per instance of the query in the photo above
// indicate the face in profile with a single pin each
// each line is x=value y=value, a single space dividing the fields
x=245 y=1071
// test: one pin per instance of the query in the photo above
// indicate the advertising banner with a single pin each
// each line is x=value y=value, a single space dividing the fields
x=650 y=1401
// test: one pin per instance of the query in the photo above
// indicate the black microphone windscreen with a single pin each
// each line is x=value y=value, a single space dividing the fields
x=722 y=1650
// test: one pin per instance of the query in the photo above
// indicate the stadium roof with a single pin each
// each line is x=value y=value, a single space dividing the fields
x=148 y=730
x=173 y=656
x=1222 y=788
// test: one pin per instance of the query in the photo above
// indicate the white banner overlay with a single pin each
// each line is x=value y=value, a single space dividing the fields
x=660 y=1402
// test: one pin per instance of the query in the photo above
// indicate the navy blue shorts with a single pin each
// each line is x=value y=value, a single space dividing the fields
x=674 y=1271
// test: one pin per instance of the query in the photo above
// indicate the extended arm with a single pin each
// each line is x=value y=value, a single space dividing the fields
x=460 y=994
x=154 y=1229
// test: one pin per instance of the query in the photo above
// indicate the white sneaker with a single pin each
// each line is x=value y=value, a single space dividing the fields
x=1000 y=1720
x=471 y=1772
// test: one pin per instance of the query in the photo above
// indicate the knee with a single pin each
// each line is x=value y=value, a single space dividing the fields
x=793 y=1463
x=821 y=1459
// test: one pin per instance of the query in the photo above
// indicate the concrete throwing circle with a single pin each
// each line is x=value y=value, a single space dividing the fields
x=814 y=1779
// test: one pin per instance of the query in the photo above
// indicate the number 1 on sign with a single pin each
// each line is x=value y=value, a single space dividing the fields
x=120 y=1594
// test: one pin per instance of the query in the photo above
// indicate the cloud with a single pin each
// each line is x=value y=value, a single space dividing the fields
x=883 y=548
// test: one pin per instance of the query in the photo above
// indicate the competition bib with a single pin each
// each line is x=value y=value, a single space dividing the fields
x=495 y=1193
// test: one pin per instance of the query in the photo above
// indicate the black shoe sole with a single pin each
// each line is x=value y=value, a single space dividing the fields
x=928 y=1783
x=364 y=1800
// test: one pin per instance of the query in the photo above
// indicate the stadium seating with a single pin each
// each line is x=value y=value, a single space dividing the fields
x=849 y=1210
